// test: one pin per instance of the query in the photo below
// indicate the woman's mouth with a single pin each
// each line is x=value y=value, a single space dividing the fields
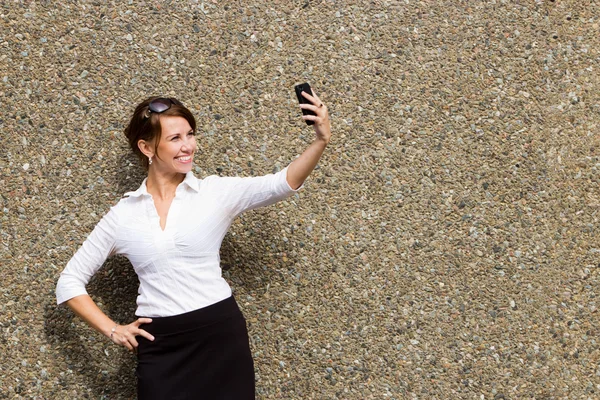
x=184 y=159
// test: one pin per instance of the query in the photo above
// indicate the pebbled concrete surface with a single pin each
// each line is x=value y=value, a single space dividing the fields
x=446 y=246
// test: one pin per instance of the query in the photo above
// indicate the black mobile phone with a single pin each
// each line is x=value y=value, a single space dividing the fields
x=304 y=87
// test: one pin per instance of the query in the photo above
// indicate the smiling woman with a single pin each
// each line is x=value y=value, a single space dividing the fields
x=150 y=123
x=194 y=342
x=176 y=144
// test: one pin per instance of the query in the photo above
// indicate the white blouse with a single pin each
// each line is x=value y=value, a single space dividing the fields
x=178 y=268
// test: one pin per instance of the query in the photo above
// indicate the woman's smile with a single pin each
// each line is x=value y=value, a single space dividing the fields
x=184 y=159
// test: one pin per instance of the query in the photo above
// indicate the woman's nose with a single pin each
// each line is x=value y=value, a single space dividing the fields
x=189 y=143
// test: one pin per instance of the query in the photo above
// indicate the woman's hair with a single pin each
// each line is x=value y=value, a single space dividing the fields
x=145 y=125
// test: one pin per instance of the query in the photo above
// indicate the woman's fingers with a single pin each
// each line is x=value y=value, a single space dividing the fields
x=321 y=119
x=141 y=321
x=141 y=332
x=145 y=334
x=132 y=342
x=317 y=118
x=128 y=340
x=311 y=118
x=308 y=95
x=309 y=107
x=312 y=98
x=320 y=110
x=126 y=343
x=125 y=335
x=317 y=107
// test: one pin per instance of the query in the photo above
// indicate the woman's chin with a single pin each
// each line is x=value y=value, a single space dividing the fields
x=183 y=168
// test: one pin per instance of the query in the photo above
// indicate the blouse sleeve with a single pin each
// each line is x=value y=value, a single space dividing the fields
x=98 y=246
x=242 y=194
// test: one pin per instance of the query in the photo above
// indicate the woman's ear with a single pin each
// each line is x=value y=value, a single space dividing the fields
x=146 y=148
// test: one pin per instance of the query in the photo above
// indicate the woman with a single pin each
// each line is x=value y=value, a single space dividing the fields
x=191 y=337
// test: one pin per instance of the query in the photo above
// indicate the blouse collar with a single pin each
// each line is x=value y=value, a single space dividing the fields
x=189 y=181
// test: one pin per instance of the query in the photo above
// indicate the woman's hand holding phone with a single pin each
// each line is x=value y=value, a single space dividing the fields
x=314 y=112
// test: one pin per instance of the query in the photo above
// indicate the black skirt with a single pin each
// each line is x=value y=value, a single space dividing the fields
x=202 y=354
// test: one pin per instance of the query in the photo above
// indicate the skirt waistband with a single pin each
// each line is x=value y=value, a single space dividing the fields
x=193 y=319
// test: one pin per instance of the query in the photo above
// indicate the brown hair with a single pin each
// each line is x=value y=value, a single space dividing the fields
x=145 y=125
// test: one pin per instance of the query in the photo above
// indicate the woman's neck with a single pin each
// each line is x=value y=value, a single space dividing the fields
x=163 y=185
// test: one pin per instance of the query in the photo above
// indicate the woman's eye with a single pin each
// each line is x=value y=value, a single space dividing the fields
x=192 y=133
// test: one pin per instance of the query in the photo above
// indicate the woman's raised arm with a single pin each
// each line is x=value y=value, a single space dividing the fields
x=301 y=167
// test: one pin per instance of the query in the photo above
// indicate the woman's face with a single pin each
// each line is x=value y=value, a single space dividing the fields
x=176 y=147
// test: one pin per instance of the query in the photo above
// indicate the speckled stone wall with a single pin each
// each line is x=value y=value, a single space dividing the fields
x=446 y=246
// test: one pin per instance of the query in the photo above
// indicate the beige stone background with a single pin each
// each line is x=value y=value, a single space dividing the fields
x=445 y=248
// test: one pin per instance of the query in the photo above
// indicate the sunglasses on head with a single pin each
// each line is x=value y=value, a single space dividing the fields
x=160 y=105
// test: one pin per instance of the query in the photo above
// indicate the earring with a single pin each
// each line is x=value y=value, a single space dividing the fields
x=149 y=160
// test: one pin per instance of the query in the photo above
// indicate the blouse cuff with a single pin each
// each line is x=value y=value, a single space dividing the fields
x=68 y=295
x=286 y=183
x=68 y=287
